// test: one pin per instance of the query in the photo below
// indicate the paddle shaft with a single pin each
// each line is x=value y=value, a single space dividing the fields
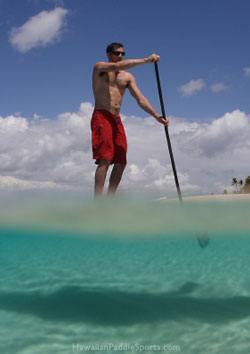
x=166 y=131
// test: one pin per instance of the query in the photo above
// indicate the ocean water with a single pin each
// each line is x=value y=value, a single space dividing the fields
x=125 y=277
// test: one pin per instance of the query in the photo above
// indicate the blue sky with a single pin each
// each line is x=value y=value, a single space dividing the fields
x=197 y=40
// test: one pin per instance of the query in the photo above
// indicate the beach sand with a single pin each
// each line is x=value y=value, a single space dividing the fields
x=211 y=197
x=218 y=197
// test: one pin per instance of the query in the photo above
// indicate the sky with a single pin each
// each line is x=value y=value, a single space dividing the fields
x=48 y=49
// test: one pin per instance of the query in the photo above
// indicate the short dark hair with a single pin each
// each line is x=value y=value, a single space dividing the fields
x=113 y=46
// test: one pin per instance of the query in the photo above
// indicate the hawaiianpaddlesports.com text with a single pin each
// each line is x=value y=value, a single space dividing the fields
x=123 y=347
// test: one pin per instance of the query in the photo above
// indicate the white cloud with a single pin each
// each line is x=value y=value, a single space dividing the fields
x=53 y=154
x=207 y=155
x=155 y=177
x=39 y=31
x=192 y=87
x=222 y=134
x=219 y=87
x=20 y=184
x=247 y=71
x=56 y=151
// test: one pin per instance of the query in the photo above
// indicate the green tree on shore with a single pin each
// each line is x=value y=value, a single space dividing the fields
x=246 y=187
x=235 y=183
x=238 y=185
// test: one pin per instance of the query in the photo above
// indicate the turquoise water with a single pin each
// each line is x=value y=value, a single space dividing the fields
x=122 y=292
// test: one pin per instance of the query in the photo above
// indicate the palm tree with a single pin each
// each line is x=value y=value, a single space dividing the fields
x=235 y=183
x=240 y=183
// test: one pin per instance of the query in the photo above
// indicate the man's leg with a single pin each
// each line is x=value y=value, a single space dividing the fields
x=115 y=177
x=100 y=176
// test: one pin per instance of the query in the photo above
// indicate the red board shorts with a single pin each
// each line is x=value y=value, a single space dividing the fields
x=109 y=140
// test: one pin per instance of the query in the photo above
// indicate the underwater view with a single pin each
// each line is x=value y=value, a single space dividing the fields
x=125 y=277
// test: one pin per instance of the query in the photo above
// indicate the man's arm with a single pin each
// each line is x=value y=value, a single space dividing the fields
x=143 y=102
x=125 y=64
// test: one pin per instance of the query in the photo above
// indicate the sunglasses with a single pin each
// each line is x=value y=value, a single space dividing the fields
x=117 y=53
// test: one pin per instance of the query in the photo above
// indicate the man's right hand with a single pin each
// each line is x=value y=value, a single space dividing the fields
x=162 y=120
x=153 y=58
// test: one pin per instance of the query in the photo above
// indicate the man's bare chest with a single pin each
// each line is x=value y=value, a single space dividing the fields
x=115 y=79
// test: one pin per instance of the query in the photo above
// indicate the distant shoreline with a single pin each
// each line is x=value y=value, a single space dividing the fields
x=211 y=197
x=219 y=197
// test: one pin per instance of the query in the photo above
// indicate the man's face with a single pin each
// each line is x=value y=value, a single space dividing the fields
x=116 y=55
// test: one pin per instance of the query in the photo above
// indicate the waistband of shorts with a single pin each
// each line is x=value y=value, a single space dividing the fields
x=108 y=114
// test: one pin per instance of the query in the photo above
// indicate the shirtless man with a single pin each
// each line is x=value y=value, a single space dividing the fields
x=109 y=144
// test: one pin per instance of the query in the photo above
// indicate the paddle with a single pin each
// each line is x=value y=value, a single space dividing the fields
x=166 y=131
x=202 y=238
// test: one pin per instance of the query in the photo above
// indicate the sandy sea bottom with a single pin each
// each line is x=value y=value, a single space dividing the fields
x=82 y=291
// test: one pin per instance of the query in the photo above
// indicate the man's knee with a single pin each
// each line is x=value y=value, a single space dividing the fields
x=120 y=166
x=103 y=162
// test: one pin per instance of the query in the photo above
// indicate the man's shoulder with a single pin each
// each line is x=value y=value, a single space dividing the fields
x=127 y=74
x=101 y=62
x=98 y=63
x=129 y=78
